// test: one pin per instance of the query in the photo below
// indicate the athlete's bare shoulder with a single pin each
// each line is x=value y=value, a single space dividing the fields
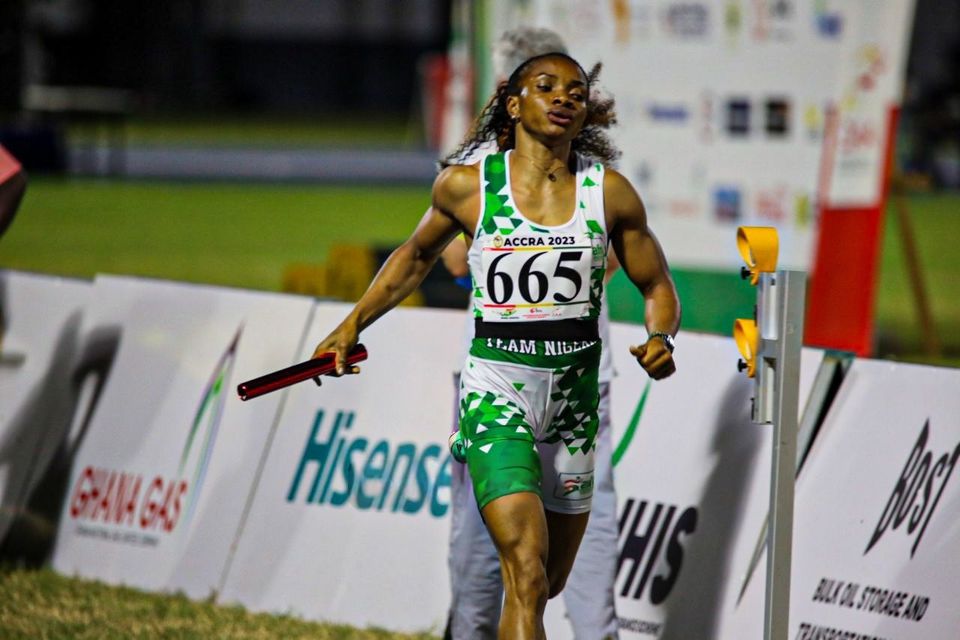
x=459 y=180
x=620 y=198
x=616 y=183
x=456 y=185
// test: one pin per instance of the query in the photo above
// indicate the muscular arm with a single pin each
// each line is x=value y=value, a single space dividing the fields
x=453 y=194
x=643 y=262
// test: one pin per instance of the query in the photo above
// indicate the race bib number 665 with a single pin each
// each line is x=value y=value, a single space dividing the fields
x=536 y=282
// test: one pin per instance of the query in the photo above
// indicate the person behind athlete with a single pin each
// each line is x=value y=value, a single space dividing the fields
x=539 y=216
x=475 y=580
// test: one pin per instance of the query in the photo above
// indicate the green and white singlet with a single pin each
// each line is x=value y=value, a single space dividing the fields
x=529 y=390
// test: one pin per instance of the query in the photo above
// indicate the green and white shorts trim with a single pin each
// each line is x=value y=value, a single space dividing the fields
x=528 y=418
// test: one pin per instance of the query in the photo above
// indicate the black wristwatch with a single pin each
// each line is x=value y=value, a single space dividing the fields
x=667 y=339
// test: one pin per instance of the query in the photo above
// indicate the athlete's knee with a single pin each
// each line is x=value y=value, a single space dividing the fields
x=527 y=576
x=532 y=585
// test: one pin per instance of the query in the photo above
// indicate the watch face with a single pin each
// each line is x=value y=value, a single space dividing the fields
x=667 y=340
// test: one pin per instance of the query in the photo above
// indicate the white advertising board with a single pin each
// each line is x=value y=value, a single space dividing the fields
x=40 y=344
x=876 y=550
x=163 y=473
x=871 y=72
x=692 y=480
x=349 y=521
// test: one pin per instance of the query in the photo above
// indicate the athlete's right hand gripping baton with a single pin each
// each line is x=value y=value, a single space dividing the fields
x=313 y=368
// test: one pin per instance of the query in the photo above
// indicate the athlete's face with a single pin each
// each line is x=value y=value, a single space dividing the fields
x=553 y=99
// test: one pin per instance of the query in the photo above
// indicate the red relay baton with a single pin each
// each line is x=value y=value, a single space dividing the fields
x=293 y=374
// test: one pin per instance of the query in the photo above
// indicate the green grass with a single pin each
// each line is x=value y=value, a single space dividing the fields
x=229 y=234
x=42 y=604
x=936 y=223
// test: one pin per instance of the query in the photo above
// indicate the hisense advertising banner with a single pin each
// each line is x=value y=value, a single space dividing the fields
x=876 y=548
x=349 y=522
x=162 y=473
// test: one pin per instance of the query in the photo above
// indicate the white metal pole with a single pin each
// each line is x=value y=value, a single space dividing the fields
x=780 y=314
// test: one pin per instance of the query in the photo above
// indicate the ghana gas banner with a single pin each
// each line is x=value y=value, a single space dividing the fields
x=877 y=541
x=163 y=471
x=41 y=389
x=722 y=106
x=349 y=522
x=692 y=478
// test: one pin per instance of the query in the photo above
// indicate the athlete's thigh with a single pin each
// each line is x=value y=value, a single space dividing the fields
x=499 y=422
x=518 y=527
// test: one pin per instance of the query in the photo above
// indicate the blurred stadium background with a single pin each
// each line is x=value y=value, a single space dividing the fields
x=253 y=143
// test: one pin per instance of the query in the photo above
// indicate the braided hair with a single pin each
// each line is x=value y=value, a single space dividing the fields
x=494 y=122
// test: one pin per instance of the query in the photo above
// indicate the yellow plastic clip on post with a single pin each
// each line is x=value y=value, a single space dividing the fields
x=759 y=247
x=748 y=341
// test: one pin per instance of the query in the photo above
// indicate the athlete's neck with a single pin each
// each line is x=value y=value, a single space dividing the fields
x=541 y=160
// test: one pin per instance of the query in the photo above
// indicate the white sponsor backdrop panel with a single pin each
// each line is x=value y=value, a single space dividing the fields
x=162 y=475
x=349 y=522
x=721 y=111
x=877 y=544
x=871 y=70
x=692 y=487
x=40 y=342
x=722 y=105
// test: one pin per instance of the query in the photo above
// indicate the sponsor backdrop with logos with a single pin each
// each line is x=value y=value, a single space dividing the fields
x=332 y=503
x=756 y=112
x=723 y=106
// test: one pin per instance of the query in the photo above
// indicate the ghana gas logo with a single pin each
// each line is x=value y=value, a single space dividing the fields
x=142 y=505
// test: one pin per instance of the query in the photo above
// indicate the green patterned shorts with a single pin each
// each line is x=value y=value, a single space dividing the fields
x=528 y=417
